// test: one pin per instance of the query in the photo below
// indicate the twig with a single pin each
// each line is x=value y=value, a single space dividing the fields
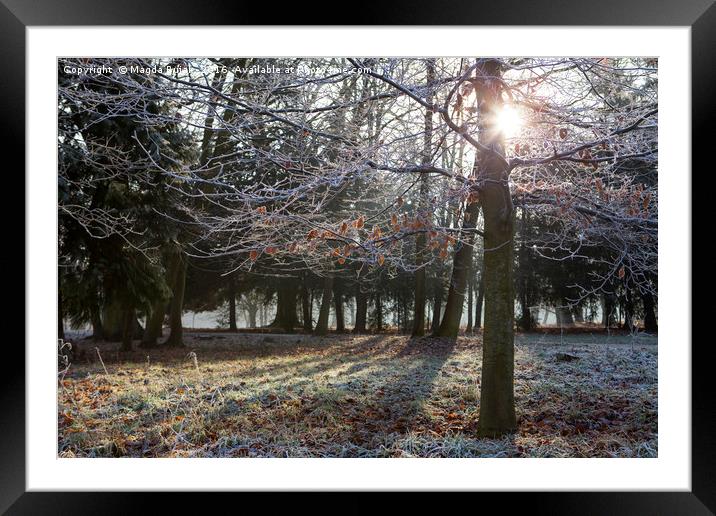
x=101 y=361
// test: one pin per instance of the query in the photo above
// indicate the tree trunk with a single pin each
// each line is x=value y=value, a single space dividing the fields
x=322 y=324
x=470 y=287
x=155 y=320
x=278 y=321
x=252 y=311
x=351 y=311
x=97 y=330
x=525 y=316
x=60 y=313
x=480 y=299
x=497 y=400
x=650 y=324
x=232 y=302
x=286 y=317
x=306 y=307
x=128 y=328
x=154 y=325
x=564 y=315
x=338 y=301
x=361 y=311
x=112 y=321
x=419 y=303
x=176 y=329
x=378 y=313
x=578 y=314
x=497 y=404
x=406 y=314
x=462 y=262
x=437 y=307
x=628 y=309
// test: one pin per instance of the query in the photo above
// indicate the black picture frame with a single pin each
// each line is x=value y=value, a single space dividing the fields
x=700 y=15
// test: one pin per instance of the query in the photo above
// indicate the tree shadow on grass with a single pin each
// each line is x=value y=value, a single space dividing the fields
x=298 y=352
x=387 y=401
x=409 y=381
x=303 y=372
x=350 y=398
x=374 y=386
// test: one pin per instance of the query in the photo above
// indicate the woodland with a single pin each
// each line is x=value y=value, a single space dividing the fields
x=389 y=257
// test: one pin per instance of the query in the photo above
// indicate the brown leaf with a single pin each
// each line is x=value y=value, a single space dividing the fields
x=647 y=200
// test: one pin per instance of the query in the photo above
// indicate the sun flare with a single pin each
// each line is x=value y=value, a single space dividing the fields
x=509 y=122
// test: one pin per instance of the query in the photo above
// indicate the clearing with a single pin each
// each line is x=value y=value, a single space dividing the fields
x=267 y=395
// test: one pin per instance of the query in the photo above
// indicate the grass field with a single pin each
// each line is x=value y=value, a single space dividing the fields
x=258 y=395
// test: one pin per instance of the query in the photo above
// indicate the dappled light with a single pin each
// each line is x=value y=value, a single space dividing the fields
x=357 y=257
x=363 y=396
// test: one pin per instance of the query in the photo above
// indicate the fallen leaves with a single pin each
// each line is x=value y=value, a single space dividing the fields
x=360 y=396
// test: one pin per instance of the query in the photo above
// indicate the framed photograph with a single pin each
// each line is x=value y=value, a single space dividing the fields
x=422 y=253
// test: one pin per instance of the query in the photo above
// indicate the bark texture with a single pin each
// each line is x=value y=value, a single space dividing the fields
x=497 y=400
x=450 y=325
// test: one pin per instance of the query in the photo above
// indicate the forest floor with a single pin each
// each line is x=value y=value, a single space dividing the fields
x=258 y=395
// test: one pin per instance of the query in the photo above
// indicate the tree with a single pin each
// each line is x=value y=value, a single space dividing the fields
x=322 y=324
x=497 y=405
x=419 y=306
x=365 y=172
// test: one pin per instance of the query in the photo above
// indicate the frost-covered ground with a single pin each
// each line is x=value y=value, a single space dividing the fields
x=356 y=396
